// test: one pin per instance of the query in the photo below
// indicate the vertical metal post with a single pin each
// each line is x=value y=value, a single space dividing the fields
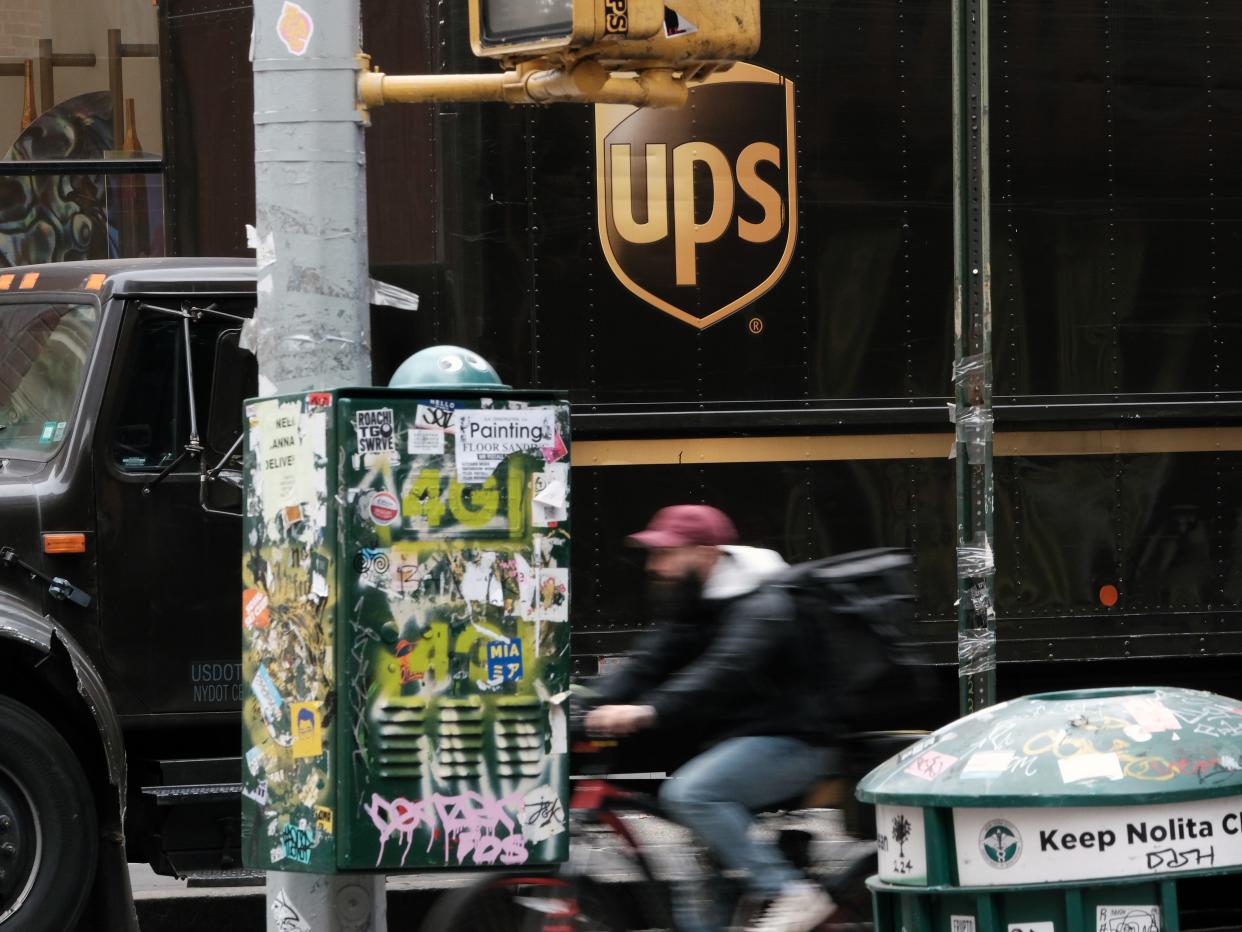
x=311 y=328
x=972 y=369
x=47 y=89
x=116 y=86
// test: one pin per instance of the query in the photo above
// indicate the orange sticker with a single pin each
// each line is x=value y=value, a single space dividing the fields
x=295 y=28
x=254 y=609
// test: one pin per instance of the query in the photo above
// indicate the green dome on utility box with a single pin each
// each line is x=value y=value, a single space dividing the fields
x=445 y=366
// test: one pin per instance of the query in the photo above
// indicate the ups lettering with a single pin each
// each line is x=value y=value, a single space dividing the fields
x=616 y=18
x=688 y=230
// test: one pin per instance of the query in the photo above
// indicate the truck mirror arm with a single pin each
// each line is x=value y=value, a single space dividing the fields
x=231 y=476
x=57 y=587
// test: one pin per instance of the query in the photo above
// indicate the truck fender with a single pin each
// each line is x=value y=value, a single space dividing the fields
x=48 y=642
x=18 y=623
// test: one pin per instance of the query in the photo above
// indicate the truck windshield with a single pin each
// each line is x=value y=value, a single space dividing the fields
x=44 y=349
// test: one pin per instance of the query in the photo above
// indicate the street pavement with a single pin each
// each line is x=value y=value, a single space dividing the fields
x=166 y=904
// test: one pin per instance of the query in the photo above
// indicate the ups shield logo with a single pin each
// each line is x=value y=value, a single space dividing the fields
x=696 y=207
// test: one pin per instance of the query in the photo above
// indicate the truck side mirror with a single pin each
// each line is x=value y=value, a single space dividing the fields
x=234 y=378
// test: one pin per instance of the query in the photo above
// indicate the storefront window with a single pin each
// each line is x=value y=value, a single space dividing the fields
x=79 y=89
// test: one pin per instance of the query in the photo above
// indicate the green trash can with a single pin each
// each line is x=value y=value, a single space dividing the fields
x=1059 y=812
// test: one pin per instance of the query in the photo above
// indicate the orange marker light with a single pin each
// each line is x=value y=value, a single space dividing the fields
x=96 y=280
x=6 y=281
x=28 y=281
x=1109 y=596
x=64 y=543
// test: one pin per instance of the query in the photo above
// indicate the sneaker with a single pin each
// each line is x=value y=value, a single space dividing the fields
x=801 y=907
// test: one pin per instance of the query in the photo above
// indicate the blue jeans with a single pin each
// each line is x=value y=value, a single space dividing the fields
x=716 y=794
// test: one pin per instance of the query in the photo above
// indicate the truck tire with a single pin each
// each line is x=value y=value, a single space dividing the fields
x=49 y=834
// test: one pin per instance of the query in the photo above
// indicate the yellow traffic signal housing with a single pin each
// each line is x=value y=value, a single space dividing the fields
x=526 y=28
x=644 y=53
x=619 y=34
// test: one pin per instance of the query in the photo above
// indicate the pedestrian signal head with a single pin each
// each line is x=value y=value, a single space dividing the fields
x=509 y=28
x=620 y=34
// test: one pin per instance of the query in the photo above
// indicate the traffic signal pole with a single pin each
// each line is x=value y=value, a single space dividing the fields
x=972 y=367
x=311 y=327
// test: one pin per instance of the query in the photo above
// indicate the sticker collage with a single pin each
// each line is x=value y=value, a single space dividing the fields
x=406 y=625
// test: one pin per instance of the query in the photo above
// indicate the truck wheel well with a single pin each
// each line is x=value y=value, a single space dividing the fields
x=46 y=683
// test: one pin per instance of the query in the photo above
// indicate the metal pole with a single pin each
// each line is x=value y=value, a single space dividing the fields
x=116 y=87
x=972 y=369
x=311 y=328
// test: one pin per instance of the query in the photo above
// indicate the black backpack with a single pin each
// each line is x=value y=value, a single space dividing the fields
x=856 y=614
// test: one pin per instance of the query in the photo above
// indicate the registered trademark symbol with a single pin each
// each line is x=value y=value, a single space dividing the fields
x=756 y=325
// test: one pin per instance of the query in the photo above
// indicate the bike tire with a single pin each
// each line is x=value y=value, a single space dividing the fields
x=527 y=903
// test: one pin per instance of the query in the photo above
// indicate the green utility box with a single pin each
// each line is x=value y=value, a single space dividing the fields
x=405 y=630
x=1060 y=812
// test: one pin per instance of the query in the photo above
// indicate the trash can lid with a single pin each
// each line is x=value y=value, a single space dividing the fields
x=1094 y=747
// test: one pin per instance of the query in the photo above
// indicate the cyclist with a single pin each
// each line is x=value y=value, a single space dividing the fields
x=728 y=666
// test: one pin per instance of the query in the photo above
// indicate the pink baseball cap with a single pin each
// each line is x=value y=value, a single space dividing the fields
x=686 y=526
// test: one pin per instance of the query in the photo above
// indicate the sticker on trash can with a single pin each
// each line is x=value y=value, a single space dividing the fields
x=901 y=845
x=961 y=924
x=1032 y=927
x=1127 y=919
x=1042 y=845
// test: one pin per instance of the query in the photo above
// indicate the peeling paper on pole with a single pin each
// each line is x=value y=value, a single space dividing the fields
x=264 y=258
x=386 y=295
x=975 y=560
x=976 y=651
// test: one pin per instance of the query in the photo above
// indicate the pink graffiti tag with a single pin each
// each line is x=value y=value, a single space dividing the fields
x=469 y=819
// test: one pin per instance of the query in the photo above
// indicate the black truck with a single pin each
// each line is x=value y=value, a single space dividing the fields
x=120 y=392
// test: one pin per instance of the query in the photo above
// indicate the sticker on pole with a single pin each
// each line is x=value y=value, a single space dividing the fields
x=295 y=28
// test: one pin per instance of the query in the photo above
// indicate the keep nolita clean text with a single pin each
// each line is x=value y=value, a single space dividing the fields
x=1177 y=828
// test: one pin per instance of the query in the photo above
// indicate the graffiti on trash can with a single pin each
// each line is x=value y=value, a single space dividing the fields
x=1127 y=919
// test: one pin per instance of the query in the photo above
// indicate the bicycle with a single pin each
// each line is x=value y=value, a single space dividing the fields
x=573 y=898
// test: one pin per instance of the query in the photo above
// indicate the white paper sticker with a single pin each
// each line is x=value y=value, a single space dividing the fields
x=1032 y=927
x=287 y=917
x=1127 y=919
x=542 y=814
x=1151 y=714
x=901 y=844
x=1090 y=767
x=283 y=460
x=961 y=924
x=550 y=489
x=552 y=595
x=1003 y=847
x=375 y=430
x=986 y=764
x=425 y=443
x=485 y=437
x=559 y=723
x=436 y=415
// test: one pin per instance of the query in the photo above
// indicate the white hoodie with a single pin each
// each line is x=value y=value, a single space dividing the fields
x=741 y=570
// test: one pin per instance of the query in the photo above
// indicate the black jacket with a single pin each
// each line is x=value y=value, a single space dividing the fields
x=729 y=664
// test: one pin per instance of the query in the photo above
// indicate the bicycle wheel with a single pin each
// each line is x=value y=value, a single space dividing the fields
x=513 y=903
